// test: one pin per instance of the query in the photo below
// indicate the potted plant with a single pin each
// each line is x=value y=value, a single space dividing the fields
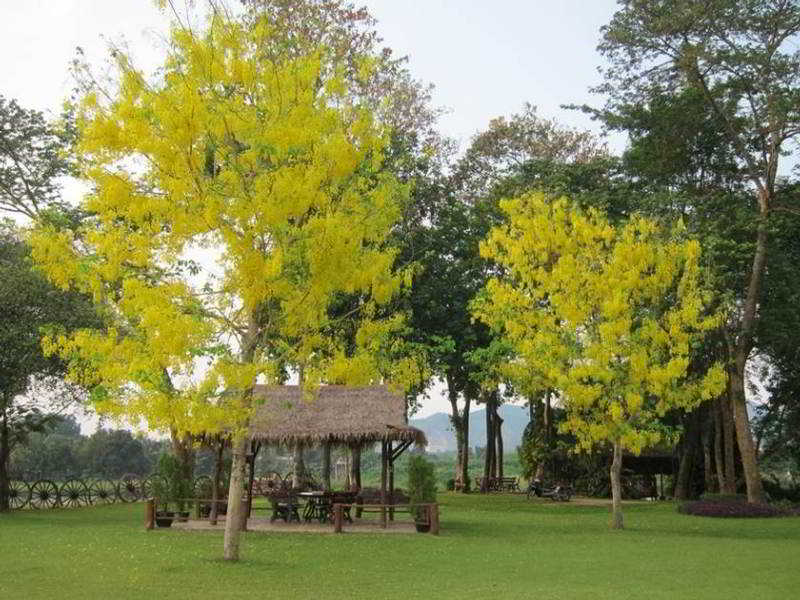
x=171 y=487
x=421 y=490
x=161 y=494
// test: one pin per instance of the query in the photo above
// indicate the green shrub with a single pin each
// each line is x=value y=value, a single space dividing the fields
x=171 y=486
x=421 y=483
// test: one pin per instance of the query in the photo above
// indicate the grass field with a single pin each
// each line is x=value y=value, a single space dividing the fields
x=494 y=547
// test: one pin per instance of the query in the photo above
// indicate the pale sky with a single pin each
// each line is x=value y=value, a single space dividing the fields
x=485 y=57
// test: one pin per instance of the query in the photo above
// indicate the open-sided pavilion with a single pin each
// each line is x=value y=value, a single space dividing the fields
x=338 y=416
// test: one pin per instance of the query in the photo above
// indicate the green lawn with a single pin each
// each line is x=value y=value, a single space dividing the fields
x=496 y=547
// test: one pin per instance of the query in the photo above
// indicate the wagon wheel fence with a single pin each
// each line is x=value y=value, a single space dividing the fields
x=75 y=492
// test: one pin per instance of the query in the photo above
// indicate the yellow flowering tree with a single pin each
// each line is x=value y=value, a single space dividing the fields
x=234 y=195
x=605 y=315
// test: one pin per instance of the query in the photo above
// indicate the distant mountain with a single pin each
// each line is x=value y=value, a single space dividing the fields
x=442 y=438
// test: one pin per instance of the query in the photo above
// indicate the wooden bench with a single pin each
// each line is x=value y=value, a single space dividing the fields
x=509 y=484
x=498 y=484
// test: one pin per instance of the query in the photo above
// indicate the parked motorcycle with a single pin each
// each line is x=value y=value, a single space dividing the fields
x=560 y=493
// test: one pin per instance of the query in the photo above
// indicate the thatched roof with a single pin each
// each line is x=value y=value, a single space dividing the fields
x=333 y=413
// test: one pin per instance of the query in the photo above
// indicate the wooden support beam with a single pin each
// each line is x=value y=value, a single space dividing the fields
x=384 y=471
x=391 y=479
x=400 y=449
x=149 y=514
x=338 y=517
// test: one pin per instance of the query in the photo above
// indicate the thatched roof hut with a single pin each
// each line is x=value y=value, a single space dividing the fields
x=334 y=414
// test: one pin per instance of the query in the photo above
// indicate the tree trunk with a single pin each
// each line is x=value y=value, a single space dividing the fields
x=5 y=451
x=498 y=436
x=491 y=436
x=183 y=449
x=684 y=478
x=541 y=468
x=298 y=466
x=236 y=507
x=236 y=510
x=707 y=433
x=215 y=482
x=729 y=450
x=743 y=346
x=719 y=460
x=489 y=451
x=326 y=466
x=355 y=468
x=464 y=474
x=747 y=450
x=458 y=427
x=616 y=487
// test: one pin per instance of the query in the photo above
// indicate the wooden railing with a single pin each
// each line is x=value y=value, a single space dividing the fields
x=386 y=511
x=431 y=512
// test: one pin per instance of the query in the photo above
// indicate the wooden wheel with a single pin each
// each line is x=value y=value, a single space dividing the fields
x=44 y=494
x=102 y=491
x=129 y=488
x=147 y=487
x=19 y=494
x=73 y=493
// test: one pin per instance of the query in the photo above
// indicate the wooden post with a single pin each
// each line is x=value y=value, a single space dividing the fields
x=197 y=508
x=338 y=514
x=149 y=514
x=384 y=471
x=434 y=518
x=383 y=516
x=390 y=452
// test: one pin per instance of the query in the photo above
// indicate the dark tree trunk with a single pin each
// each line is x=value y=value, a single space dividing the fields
x=464 y=474
x=728 y=448
x=498 y=437
x=5 y=451
x=684 y=478
x=460 y=421
x=706 y=439
x=616 y=487
x=542 y=467
x=489 y=451
x=326 y=466
x=719 y=460
x=183 y=449
x=216 y=480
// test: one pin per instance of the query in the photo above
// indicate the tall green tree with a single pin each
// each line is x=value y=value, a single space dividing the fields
x=29 y=304
x=738 y=57
x=33 y=155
